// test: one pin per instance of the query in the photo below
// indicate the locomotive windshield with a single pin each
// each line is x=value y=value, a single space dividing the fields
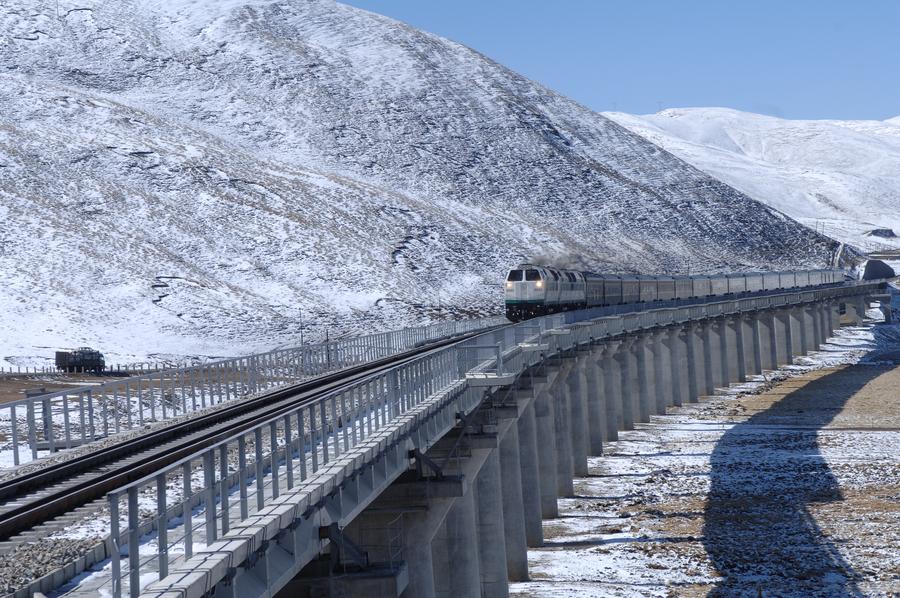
x=514 y=275
x=532 y=275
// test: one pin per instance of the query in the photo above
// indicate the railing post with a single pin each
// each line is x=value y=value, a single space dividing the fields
x=209 y=490
x=32 y=430
x=186 y=511
x=115 y=556
x=134 y=544
x=162 y=527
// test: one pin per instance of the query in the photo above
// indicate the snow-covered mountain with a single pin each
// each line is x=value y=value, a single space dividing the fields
x=839 y=176
x=196 y=177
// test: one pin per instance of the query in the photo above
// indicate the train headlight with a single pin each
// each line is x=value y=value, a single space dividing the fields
x=539 y=284
x=508 y=285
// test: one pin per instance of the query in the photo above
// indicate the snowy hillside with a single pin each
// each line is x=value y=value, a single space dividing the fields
x=194 y=177
x=842 y=177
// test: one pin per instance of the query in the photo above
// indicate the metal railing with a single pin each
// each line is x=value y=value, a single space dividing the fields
x=38 y=426
x=201 y=497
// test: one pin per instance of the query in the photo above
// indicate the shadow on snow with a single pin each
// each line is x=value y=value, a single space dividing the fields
x=758 y=528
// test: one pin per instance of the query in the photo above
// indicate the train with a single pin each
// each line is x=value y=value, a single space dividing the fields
x=532 y=290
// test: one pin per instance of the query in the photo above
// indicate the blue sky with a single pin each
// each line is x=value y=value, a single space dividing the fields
x=788 y=58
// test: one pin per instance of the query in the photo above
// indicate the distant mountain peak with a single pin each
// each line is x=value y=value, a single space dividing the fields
x=835 y=176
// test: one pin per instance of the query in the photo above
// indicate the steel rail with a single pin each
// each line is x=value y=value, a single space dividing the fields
x=160 y=448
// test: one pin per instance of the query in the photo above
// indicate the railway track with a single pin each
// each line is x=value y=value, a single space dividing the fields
x=30 y=504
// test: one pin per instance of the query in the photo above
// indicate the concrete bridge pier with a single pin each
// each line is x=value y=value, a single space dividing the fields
x=678 y=364
x=576 y=387
x=815 y=326
x=750 y=345
x=834 y=316
x=559 y=398
x=514 y=518
x=628 y=382
x=798 y=331
x=783 y=337
x=734 y=366
x=455 y=553
x=597 y=409
x=821 y=311
x=530 y=471
x=662 y=393
x=696 y=376
x=644 y=357
x=762 y=326
x=491 y=529
x=546 y=434
x=711 y=358
x=612 y=388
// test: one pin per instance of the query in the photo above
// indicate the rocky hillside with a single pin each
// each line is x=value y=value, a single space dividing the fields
x=197 y=177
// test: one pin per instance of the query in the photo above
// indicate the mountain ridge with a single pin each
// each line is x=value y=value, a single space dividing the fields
x=274 y=164
x=837 y=176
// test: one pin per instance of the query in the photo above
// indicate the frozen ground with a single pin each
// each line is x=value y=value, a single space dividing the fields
x=788 y=487
x=197 y=178
x=839 y=177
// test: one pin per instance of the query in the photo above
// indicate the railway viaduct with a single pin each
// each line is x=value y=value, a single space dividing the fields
x=426 y=472
x=438 y=485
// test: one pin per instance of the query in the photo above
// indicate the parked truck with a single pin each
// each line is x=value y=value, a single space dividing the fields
x=82 y=359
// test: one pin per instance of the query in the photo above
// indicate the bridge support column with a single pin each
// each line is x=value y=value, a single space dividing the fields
x=732 y=334
x=828 y=321
x=596 y=401
x=455 y=552
x=491 y=529
x=678 y=364
x=696 y=370
x=834 y=316
x=627 y=358
x=712 y=348
x=513 y=505
x=661 y=398
x=821 y=323
x=750 y=344
x=559 y=396
x=531 y=483
x=862 y=305
x=761 y=337
x=811 y=327
x=798 y=330
x=646 y=395
x=783 y=333
x=576 y=387
x=612 y=389
x=546 y=450
x=775 y=342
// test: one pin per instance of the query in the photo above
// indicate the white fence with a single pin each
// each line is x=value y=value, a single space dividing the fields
x=63 y=419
